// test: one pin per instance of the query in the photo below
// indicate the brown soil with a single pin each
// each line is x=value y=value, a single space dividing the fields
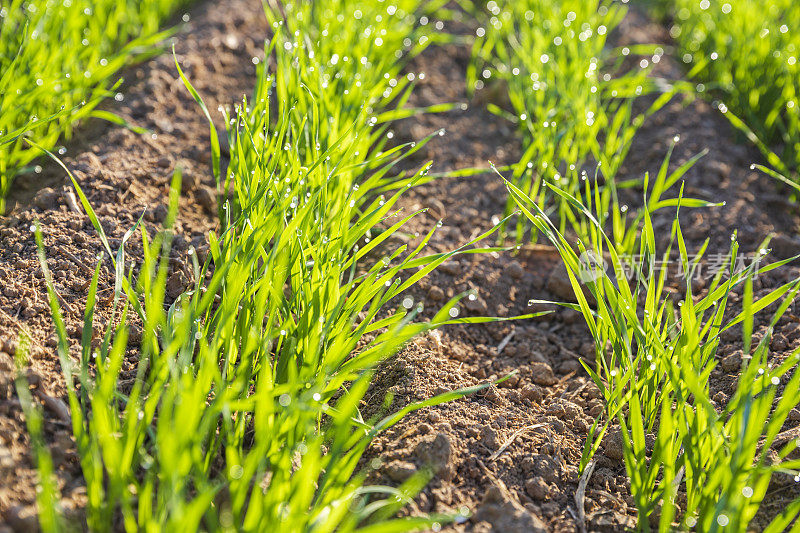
x=508 y=455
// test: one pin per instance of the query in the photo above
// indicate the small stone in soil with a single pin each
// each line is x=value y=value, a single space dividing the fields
x=596 y=409
x=537 y=488
x=569 y=365
x=400 y=471
x=175 y=284
x=532 y=393
x=33 y=378
x=613 y=447
x=188 y=179
x=546 y=467
x=135 y=335
x=492 y=394
x=450 y=267
x=158 y=214
x=436 y=454
x=436 y=294
x=476 y=305
x=515 y=270
x=46 y=199
x=207 y=198
x=224 y=145
x=542 y=374
x=559 y=284
x=733 y=362
x=489 y=437
x=720 y=398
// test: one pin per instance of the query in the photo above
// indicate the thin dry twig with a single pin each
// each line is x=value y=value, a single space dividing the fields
x=511 y=439
x=565 y=378
x=580 y=495
x=541 y=249
x=572 y=513
x=505 y=341
x=80 y=264
x=72 y=202
x=569 y=395
x=65 y=304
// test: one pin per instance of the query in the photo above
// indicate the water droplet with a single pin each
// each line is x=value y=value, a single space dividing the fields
x=236 y=471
